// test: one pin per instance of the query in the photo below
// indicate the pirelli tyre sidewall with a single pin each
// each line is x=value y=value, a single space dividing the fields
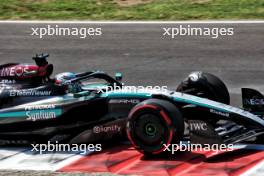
x=153 y=124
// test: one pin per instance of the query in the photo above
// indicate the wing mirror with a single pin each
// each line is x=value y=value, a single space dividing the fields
x=118 y=76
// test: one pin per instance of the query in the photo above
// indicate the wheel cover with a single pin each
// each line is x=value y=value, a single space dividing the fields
x=149 y=130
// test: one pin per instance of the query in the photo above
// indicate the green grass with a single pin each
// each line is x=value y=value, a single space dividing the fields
x=109 y=10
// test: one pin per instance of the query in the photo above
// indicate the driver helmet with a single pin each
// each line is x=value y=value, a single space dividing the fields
x=62 y=78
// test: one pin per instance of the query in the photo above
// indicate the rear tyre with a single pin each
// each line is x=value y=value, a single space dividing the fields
x=205 y=85
x=153 y=124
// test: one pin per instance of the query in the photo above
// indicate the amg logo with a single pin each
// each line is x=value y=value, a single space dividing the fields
x=219 y=113
x=253 y=101
x=126 y=101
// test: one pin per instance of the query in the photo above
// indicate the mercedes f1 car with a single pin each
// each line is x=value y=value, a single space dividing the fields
x=148 y=118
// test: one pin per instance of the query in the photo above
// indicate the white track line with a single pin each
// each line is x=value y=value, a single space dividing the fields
x=22 y=159
x=25 y=159
x=135 y=22
x=255 y=171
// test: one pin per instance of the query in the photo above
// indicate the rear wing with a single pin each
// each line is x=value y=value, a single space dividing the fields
x=253 y=101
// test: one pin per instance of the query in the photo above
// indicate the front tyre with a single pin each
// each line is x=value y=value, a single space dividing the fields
x=153 y=124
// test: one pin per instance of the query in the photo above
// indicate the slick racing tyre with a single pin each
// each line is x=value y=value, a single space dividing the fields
x=205 y=85
x=154 y=124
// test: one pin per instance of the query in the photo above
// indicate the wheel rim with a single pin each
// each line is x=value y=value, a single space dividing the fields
x=154 y=136
x=149 y=132
x=150 y=129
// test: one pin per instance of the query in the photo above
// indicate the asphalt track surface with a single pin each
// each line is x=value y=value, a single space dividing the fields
x=144 y=56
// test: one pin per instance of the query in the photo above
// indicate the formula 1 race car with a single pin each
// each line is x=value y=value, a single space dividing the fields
x=37 y=115
x=149 y=118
